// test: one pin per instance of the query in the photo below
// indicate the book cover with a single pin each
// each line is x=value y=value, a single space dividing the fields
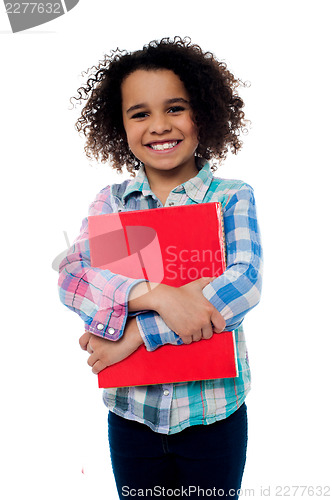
x=171 y=245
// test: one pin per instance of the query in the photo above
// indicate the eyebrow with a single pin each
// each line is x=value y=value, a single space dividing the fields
x=168 y=101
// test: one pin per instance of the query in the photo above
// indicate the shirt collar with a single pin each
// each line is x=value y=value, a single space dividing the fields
x=195 y=188
x=139 y=183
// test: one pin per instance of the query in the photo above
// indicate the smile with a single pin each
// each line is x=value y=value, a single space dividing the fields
x=164 y=146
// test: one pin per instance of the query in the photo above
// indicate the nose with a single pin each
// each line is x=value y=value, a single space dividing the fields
x=160 y=123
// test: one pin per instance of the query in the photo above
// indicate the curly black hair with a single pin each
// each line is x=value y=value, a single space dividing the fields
x=217 y=108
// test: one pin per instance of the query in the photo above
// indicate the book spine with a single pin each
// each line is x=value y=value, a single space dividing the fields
x=222 y=232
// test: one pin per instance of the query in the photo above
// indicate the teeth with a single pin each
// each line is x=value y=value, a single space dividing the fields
x=165 y=145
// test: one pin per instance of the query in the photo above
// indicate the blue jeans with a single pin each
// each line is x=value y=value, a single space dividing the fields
x=200 y=461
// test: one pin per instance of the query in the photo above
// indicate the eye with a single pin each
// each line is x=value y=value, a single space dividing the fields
x=141 y=114
x=176 y=109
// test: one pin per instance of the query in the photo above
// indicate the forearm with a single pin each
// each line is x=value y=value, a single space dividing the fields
x=238 y=289
x=151 y=327
x=104 y=353
x=146 y=296
x=98 y=296
x=185 y=316
x=235 y=293
x=132 y=334
x=155 y=332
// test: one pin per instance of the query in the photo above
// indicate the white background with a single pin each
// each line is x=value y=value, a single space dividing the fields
x=53 y=421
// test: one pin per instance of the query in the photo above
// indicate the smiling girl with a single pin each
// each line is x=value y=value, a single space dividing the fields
x=159 y=126
x=163 y=112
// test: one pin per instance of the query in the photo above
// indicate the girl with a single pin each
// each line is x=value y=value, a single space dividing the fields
x=163 y=112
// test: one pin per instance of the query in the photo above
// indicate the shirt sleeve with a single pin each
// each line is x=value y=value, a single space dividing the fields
x=235 y=292
x=238 y=289
x=98 y=296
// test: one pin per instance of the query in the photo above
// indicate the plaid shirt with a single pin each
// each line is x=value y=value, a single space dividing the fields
x=100 y=298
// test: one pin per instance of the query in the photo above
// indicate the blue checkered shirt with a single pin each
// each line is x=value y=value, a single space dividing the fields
x=101 y=298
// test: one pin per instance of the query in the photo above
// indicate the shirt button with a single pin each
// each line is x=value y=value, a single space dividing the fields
x=166 y=392
x=111 y=331
x=171 y=203
x=100 y=326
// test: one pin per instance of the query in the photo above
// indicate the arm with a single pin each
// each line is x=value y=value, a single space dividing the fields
x=98 y=296
x=185 y=309
x=237 y=290
x=104 y=353
x=103 y=299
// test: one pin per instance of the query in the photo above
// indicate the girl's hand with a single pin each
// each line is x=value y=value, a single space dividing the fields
x=105 y=352
x=187 y=312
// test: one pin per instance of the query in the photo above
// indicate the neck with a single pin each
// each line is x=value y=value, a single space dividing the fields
x=166 y=180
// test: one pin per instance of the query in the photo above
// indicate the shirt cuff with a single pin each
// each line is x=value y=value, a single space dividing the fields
x=109 y=322
x=155 y=332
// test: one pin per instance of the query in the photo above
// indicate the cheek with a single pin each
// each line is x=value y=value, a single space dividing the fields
x=194 y=135
x=192 y=130
x=130 y=135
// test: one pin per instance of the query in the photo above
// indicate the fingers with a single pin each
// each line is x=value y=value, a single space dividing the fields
x=207 y=332
x=84 y=340
x=93 y=359
x=197 y=336
x=96 y=364
x=218 y=321
x=98 y=367
x=89 y=348
x=187 y=339
x=216 y=325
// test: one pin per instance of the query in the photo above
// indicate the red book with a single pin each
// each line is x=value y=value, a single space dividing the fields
x=171 y=245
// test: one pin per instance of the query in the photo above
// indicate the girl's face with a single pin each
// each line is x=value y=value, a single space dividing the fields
x=157 y=118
